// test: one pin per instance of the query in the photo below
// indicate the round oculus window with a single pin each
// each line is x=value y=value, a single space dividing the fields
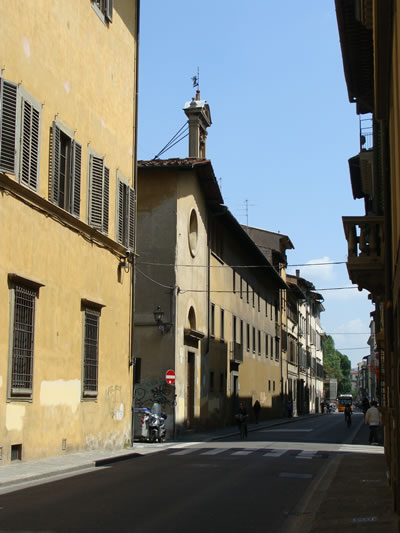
x=193 y=232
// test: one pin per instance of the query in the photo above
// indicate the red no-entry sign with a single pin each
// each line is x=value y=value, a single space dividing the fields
x=170 y=377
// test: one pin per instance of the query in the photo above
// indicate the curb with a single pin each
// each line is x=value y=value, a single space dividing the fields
x=116 y=459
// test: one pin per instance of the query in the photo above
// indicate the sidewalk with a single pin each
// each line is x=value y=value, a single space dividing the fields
x=353 y=493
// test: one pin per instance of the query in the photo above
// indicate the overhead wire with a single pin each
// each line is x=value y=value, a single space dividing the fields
x=149 y=263
x=173 y=141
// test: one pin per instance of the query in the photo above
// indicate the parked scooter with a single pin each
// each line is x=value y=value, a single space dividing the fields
x=156 y=423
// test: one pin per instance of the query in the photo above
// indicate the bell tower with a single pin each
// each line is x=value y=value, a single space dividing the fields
x=198 y=113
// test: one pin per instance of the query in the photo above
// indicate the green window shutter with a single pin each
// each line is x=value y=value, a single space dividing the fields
x=132 y=218
x=55 y=164
x=30 y=138
x=76 y=164
x=108 y=11
x=96 y=193
x=106 y=199
x=8 y=125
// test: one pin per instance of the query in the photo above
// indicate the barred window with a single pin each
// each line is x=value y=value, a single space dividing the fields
x=23 y=341
x=91 y=352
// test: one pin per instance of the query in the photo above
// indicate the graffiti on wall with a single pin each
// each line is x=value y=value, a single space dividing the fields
x=152 y=391
x=114 y=400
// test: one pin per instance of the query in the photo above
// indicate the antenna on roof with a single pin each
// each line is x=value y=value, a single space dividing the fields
x=247 y=205
x=246 y=210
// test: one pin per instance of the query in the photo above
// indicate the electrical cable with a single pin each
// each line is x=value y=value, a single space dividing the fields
x=237 y=266
x=169 y=145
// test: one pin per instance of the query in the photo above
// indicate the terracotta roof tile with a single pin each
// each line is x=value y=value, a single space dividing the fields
x=187 y=162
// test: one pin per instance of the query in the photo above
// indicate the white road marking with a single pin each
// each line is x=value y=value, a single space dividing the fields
x=275 y=453
x=306 y=454
x=215 y=451
x=243 y=452
x=183 y=452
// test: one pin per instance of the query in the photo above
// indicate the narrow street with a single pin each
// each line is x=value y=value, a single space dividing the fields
x=260 y=484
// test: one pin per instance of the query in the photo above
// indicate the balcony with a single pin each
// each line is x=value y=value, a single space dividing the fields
x=365 y=262
x=236 y=352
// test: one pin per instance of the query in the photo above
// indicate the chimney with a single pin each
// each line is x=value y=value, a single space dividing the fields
x=198 y=113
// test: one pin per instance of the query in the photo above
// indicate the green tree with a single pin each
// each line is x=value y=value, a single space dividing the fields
x=337 y=365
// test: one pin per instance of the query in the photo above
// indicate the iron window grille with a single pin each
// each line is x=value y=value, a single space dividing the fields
x=23 y=341
x=91 y=352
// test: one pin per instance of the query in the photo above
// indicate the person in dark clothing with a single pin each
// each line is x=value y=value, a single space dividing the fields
x=256 y=409
x=365 y=405
x=347 y=413
x=241 y=418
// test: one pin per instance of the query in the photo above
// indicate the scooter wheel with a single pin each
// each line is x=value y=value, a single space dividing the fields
x=153 y=436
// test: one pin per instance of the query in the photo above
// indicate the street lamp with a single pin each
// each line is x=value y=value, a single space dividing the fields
x=164 y=327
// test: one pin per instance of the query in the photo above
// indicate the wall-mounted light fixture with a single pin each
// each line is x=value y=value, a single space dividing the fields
x=125 y=261
x=164 y=327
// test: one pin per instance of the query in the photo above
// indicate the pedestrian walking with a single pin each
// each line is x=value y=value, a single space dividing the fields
x=374 y=419
x=256 y=409
x=241 y=418
x=347 y=414
x=365 y=405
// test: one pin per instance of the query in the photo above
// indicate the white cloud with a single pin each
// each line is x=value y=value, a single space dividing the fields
x=318 y=270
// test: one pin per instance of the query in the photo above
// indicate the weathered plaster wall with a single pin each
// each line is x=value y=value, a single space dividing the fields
x=83 y=73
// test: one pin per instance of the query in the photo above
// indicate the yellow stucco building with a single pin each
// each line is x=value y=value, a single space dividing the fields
x=222 y=324
x=67 y=212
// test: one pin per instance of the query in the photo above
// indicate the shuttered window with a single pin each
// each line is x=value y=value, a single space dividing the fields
x=8 y=125
x=126 y=214
x=99 y=193
x=30 y=140
x=20 y=116
x=104 y=8
x=65 y=179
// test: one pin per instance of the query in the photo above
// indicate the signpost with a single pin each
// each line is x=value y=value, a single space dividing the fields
x=170 y=377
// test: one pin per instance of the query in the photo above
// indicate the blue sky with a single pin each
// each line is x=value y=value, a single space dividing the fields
x=283 y=128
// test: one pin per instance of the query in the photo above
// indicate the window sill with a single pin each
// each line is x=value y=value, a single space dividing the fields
x=90 y=395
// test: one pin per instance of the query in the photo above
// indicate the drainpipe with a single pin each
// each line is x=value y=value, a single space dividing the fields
x=132 y=358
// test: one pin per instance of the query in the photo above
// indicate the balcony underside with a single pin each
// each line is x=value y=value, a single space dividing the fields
x=367 y=275
x=365 y=263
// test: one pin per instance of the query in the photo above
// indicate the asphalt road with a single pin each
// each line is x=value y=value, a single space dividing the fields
x=260 y=484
